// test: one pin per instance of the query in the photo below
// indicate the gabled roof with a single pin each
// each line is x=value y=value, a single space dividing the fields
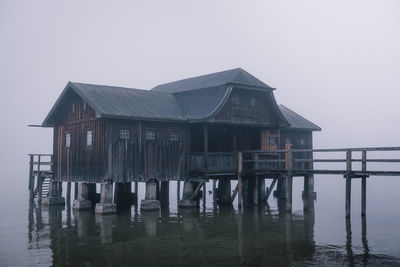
x=296 y=121
x=111 y=101
x=235 y=76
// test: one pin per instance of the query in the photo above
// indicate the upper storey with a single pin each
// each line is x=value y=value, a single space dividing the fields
x=229 y=97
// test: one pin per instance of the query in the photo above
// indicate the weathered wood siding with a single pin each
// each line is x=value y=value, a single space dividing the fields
x=298 y=140
x=249 y=107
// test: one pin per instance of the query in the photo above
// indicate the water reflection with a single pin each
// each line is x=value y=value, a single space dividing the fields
x=224 y=236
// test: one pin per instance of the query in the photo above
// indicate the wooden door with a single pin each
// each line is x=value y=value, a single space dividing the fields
x=270 y=139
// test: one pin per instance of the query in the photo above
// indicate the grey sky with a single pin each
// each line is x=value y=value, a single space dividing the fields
x=335 y=62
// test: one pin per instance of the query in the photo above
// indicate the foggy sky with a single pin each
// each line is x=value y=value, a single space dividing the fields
x=337 y=63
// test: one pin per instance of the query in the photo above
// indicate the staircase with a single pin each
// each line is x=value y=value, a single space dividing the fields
x=45 y=179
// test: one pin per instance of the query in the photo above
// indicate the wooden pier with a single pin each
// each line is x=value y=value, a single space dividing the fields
x=250 y=168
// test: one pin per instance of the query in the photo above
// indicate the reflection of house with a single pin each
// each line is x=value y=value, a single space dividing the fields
x=106 y=133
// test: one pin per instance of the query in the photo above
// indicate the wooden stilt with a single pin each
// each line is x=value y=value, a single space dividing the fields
x=204 y=194
x=289 y=181
x=69 y=193
x=76 y=191
x=39 y=181
x=31 y=178
x=364 y=184
x=348 y=183
x=240 y=182
x=178 y=190
x=214 y=191
x=136 y=192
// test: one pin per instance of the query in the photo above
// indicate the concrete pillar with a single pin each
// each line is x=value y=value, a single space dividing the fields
x=150 y=202
x=82 y=202
x=54 y=197
x=187 y=201
x=308 y=191
x=106 y=205
x=224 y=191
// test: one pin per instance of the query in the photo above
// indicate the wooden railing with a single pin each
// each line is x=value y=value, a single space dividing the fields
x=40 y=167
x=302 y=161
x=215 y=162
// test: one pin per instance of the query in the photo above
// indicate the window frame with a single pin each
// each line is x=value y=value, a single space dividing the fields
x=87 y=138
x=153 y=135
x=124 y=136
x=67 y=139
x=174 y=136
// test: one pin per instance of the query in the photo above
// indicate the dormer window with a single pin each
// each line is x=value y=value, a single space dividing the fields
x=73 y=108
x=174 y=136
x=302 y=141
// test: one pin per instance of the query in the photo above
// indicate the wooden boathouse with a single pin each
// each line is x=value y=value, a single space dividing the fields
x=192 y=130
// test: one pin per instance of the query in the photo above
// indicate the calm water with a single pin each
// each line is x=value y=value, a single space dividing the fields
x=31 y=235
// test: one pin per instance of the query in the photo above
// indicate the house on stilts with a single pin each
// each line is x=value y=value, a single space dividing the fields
x=191 y=130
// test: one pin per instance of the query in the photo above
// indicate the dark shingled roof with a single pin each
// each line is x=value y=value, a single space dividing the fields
x=200 y=104
x=234 y=76
x=296 y=121
x=112 y=101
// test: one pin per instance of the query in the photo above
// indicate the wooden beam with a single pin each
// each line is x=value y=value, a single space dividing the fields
x=196 y=191
x=235 y=192
x=239 y=177
x=364 y=184
x=348 y=183
x=271 y=188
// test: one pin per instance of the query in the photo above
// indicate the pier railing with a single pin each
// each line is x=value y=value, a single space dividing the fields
x=40 y=173
x=354 y=162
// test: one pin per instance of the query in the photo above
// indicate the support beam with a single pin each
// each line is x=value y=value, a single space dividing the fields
x=178 y=191
x=54 y=196
x=68 y=193
x=224 y=191
x=364 y=184
x=239 y=177
x=261 y=189
x=289 y=180
x=348 y=183
x=271 y=188
x=164 y=194
x=31 y=179
x=204 y=194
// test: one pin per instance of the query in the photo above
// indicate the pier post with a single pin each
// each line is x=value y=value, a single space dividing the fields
x=150 y=201
x=82 y=202
x=178 y=190
x=204 y=194
x=348 y=183
x=289 y=180
x=187 y=201
x=214 y=191
x=364 y=184
x=31 y=178
x=136 y=192
x=39 y=181
x=224 y=191
x=106 y=205
x=75 y=190
x=164 y=194
x=261 y=189
x=68 y=193
x=239 y=177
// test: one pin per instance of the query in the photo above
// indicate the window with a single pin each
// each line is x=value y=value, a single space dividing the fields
x=273 y=140
x=150 y=135
x=302 y=141
x=67 y=140
x=89 y=138
x=73 y=108
x=124 y=134
x=174 y=136
x=84 y=107
x=236 y=99
x=253 y=101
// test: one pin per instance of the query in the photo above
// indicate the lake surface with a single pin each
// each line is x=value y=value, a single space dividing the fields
x=34 y=235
